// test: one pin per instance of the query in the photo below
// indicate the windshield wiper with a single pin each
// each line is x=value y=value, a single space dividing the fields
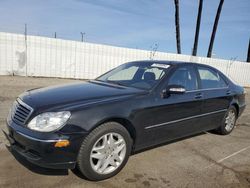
x=111 y=82
x=115 y=82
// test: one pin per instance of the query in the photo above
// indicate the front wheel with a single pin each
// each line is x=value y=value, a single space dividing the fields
x=104 y=152
x=229 y=121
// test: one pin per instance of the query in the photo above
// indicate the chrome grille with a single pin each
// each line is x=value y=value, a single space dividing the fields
x=20 y=112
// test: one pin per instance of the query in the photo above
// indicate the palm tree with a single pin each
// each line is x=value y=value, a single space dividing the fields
x=248 y=53
x=177 y=26
x=210 y=49
x=198 y=23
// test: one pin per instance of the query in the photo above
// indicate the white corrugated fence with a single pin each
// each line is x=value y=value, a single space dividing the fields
x=49 y=57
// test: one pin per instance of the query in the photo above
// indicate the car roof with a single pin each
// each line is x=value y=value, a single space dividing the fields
x=179 y=63
x=174 y=63
x=165 y=62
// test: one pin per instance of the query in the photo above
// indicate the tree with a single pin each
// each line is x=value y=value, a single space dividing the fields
x=248 y=53
x=210 y=49
x=198 y=23
x=177 y=26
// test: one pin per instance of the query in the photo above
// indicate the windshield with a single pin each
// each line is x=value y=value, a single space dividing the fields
x=138 y=74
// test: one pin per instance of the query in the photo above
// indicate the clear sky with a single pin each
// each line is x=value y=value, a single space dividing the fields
x=133 y=23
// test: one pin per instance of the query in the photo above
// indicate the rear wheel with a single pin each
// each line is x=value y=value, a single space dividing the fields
x=104 y=152
x=229 y=121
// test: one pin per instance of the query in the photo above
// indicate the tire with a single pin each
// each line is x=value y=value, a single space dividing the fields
x=110 y=142
x=228 y=122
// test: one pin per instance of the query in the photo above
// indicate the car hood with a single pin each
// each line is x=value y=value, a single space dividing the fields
x=82 y=93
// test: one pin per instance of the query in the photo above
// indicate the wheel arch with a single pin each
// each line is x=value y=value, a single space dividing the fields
x=236 y=105
x=124 y=122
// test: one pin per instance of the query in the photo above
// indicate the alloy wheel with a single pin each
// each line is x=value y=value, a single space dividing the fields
x=230 y=120
x=108 y=153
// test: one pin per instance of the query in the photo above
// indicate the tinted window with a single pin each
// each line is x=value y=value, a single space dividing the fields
x=210 y=78
x=184 y=76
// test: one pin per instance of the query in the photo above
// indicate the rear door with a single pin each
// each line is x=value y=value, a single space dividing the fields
x=216 y=95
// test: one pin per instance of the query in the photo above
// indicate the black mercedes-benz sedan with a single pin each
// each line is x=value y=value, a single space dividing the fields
x=96 y=125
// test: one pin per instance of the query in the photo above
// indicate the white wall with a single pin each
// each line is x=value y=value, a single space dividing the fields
x=49 y=57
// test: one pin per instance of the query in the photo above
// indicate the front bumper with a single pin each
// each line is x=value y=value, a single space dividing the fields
x=40 y=150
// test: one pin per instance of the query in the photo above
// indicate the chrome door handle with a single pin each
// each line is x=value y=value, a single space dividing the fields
x=198 y=96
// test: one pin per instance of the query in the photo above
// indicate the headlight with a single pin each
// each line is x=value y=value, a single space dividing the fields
x=49 y=121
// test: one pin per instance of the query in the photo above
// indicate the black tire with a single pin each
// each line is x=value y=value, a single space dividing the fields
x=222 y=129
x=83 y=159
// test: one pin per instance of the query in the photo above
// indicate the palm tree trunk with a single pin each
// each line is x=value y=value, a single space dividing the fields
x=210 y=49
x=248 y=53
x=198 y=23
x=177 y=26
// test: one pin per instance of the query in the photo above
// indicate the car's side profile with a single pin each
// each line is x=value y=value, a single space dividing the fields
x=95 y=125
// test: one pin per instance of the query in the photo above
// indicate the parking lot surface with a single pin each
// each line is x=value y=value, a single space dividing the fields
x=205 y=160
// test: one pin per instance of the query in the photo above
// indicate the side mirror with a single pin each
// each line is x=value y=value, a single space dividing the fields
x=173 y=89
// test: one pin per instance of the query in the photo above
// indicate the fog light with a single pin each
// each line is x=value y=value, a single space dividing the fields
x=62 y=143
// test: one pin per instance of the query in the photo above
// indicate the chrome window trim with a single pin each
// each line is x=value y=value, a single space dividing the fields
x=197 y=90
x=184 y=119
x=36 y=139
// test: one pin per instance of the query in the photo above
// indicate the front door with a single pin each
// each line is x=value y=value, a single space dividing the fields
x=178 y=114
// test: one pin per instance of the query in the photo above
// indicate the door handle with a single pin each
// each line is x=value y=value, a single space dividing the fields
x=198 y=96
x=228 y=92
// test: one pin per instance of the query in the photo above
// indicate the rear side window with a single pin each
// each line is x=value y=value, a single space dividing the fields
x=186 y=77
x=210 y=78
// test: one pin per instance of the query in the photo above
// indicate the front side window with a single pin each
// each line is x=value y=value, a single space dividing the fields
x=139 y=75
x=210 y=78
x=186 y=77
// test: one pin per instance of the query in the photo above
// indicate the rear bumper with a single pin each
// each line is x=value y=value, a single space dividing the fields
x=42 y=151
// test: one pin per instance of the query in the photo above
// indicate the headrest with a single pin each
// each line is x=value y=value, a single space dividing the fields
x=149 y=76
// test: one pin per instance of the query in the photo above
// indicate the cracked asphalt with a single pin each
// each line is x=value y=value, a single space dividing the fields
x=204 y=160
